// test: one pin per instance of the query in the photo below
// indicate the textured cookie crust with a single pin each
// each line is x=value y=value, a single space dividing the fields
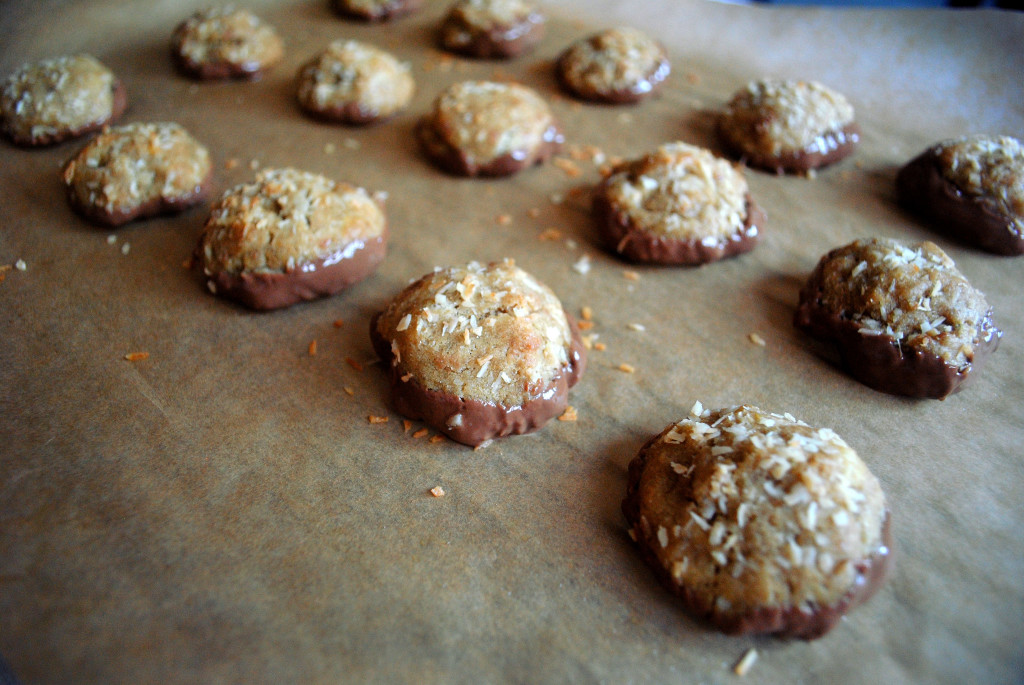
x=760 y=522
x=905 y=319
x=60 y=98
x=290 y=236
x=491 y=28
x=788 y=126
x=479 y=351
x=138 y=170
x=677 y=205
x=354 y=83
x=483 y=128
x=971 y=188
x=617 y=65
x=224 y=42
x=375 y=10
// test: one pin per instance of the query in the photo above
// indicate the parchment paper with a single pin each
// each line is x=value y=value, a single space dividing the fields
x=224 y=511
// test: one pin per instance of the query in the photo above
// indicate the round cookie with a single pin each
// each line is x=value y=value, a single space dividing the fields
x=904 y=319
x=970 y=188
x=491 y=28
x=290 y=236
x=788 y=126
x=354 y=83
x=375 y=10
x=759 y=522
x=137 y=171
x=483 y=128
x=616 y=66
x=56 y=99
x=479 y=351
x=677 y=205
x=225 y=42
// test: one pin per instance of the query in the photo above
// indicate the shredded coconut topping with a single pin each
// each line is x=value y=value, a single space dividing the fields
x=990 y=167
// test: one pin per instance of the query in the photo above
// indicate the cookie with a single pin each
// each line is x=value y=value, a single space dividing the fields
x=479 y=351
x=225 y=42
x=677 y=205
x=354 y=83
x=971 y=189
x=137 y=171
x=483 y=128
x=57 y=99
x=903 y=317
x=375 y=10
x=615 y=66
x=290 y=236
x=491 y=28
x=788 y=126
x=759 y=522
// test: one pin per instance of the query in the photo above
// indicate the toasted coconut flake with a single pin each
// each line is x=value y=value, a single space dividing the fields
x=434 y=439
x=437 y=491
x=627 y=368
x=312 y=348
x=349 y=391
x=422 y=432
x=569 y=414
x=358 y=366
x=745 y=663
x=136 y=356
x=630 y=275
x=757 y=340
x=373 y=418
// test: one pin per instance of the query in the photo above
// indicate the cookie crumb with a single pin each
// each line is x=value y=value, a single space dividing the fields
x=338 y=323
x=254 y=164
x=437 y=491
x=569 y=414
x=406 y=425
x=503 y=219
x=230 y=164
x=550 y=234
x=422 y=432
x=373 y=418
x=349 y=391
x=756 y=339
x=600 y=346
x=126 y=248
x=312 y=348
x=358 y=366
x=434 y=439
x=111 y=239
x=582 y=265
x=586 y=313
x=627 y=368
x=630 y=275
x=20 y=265
x=136 y=356
x=745 y=663
x=568 y=167
x=584 y=325
x=639 y=327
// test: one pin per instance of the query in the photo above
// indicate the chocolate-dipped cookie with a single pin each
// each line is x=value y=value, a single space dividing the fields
x=677 y=205
x=491 y=28
x=289 y=236
x=759 y=522
x=903 y=317
x=375 y=10
x=970 y=188
x=354 y=83
x=788 y=126
x=136 y=171
x=225 y=42
x=484 y=128
x=479 y=351
x=56 y=99
x=616 y=66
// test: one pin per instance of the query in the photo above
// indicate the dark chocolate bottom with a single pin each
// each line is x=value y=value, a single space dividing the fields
x=386 y=12
x=153 y=207
x=781 y=621
x=828 y=149
x=455 y=162
x=618 y=96
x=118 y=105
x=217 y=71
x=970 y=219
x=479 y=421
x=500 y=42
x=880 y=362
x=351 y=113
x=274 y=290
x=624 y=237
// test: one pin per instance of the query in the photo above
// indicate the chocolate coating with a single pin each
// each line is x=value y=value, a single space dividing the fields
x=971 y=219
x=828 y=149
x=373 y=12
x=456 y=162
x=153 y=207
x=499 y=41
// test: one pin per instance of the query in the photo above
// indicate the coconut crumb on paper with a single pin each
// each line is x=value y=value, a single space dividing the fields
x=757 y=339
x=437 y=491
x=373 y=418
x=569 y=414
x=746 y=662
x=136 y=356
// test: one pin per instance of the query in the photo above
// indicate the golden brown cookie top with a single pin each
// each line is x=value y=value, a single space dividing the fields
x=226 y=41
x=756 y=511
x=284 y=219
x=680 y=191
x=485 y=121
x=773 y=117
x=987 y=166
x=55 y=98
x=911 y=292
x=128 y=166
x=615 y=64
x=491 y=333
x=351 y=74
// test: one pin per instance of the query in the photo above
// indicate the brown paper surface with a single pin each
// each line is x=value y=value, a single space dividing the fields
x=224 y=511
